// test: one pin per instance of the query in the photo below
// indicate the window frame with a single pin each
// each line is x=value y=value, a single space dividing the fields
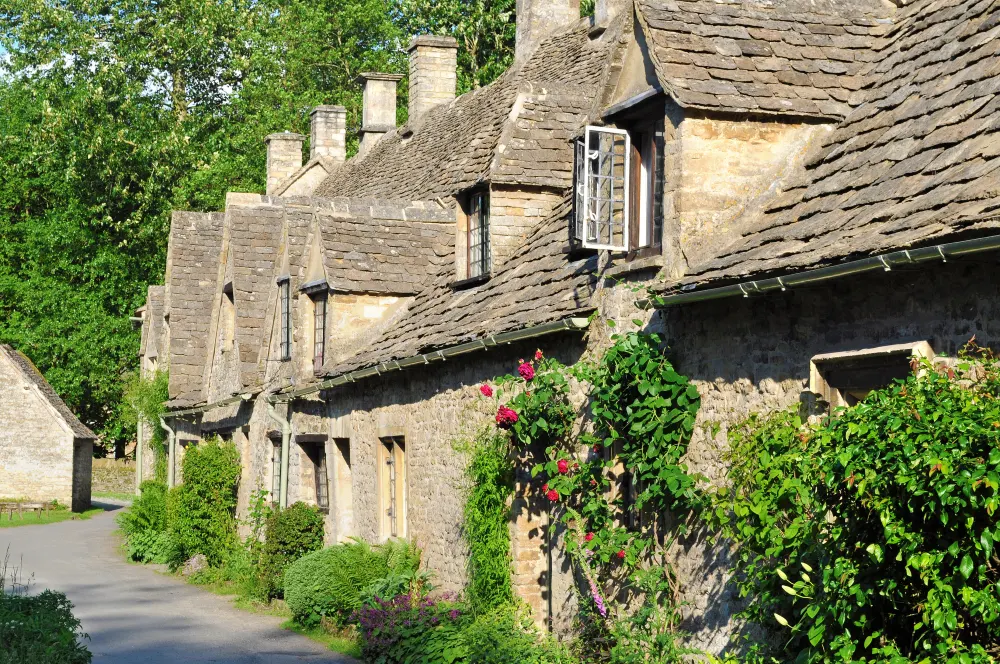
x=820 y=367
x=275 y=471
x=392 y=487
x=478 y=207
x=285 y=319
x=320 y=303
x=589 y=175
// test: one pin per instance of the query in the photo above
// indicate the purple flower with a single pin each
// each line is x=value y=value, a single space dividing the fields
x=453 y=614
x=598 y=600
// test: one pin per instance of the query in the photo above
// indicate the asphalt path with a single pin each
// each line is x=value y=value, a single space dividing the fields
x=134 y=614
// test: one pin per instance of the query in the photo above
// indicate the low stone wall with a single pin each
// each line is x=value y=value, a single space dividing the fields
x=113 y=476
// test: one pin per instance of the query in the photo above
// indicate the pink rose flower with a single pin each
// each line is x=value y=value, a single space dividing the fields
x=506 y=417
x=621 y=554
x=552 y=495
x=486 y=390
x=589 y=537
x=527 y=371
x=563 y=466
x=538 y=354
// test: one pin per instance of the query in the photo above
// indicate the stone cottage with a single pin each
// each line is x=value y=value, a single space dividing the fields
x=45 y=451
x=803 y=190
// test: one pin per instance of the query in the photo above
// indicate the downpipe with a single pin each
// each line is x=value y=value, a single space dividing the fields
x=286 y=437
x=171 y=443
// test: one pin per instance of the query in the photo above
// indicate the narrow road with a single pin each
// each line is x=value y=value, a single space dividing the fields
x=135 y=615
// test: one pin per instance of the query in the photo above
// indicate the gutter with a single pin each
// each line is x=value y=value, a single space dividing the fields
x=286 y=437
x=884 y=262
x=566 y=324
x=245 y=396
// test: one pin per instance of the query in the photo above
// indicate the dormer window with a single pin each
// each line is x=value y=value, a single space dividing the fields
x=285 y=306
x=618 y=184
x=478 y=234
x=319 y=330
x=317 y=292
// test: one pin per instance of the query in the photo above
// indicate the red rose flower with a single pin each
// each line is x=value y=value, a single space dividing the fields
x=486 y=390
x=538 y=354
x=597 y=448
x=563 y=466
x=621 y=554
x=527 y=371
x=552 y=495
x=506 y=417
x=589 y=537
x=593 y=482
x=545 y=488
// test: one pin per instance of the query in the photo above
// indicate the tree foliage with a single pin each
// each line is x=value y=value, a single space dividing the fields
x=118 y=111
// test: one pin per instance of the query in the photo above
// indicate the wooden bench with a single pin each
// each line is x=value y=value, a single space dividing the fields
x=20 y=508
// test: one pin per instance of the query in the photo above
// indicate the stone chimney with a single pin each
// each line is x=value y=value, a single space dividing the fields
x=328 y=133
x=284 y=157
x=433 y=73
x=606 y=10
x=537 y=19
x=378 y=115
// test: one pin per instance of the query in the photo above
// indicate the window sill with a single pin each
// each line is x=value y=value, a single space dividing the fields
x=469 y=283
x=639 y=264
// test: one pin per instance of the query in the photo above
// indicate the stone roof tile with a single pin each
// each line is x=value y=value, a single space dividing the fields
x=33 y=375
x=698 y=46
x=915 y=163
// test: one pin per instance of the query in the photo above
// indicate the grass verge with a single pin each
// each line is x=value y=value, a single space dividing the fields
x=336 y=640
x=52 y=516
x=123 y=496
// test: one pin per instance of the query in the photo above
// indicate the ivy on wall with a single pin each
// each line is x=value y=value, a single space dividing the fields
x=145 y=397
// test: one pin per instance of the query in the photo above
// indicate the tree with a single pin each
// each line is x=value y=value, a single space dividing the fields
x=115 y=112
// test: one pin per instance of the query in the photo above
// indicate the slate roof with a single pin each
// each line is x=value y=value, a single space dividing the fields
x=517 y=128
x=195 y=245
x=542 y=284
x=915 y=164
x=799 y=57
x=33 y=375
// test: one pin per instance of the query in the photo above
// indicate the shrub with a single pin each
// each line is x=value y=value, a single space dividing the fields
x=329 y=582
x=289 y=534
x=201 y=512
x=144 y=525
x=871 y=535
x=409 y=628
x=40 y=629
x=508 y=635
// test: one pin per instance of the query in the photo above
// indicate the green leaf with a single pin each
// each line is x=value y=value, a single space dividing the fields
x=966 y=566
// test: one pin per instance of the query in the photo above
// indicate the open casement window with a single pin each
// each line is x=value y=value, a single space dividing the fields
x=604 y=222
x=285 y=305
x=845 y=378
x=392 y=487
x=478 y=240
x=618 y=187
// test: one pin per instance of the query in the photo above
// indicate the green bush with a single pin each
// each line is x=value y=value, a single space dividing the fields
x=201 y=512
x=144 y=525
x=486 y=522
x=40 y=629
x=329 y=582
x=508 y=635
x=872 y=535
x=289 y=534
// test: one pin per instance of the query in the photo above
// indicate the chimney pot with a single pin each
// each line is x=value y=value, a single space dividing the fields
x=284 y=157
x=538 y=19
x=328 y=133
x=378 y=116
x=433 y=73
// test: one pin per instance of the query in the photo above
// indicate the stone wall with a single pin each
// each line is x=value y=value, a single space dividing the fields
x=753 y=355
x=114 y=475
x=514 y=214
x=725 y=167
x=36 y=450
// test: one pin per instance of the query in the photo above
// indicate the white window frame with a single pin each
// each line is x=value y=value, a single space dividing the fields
x=590 y=216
